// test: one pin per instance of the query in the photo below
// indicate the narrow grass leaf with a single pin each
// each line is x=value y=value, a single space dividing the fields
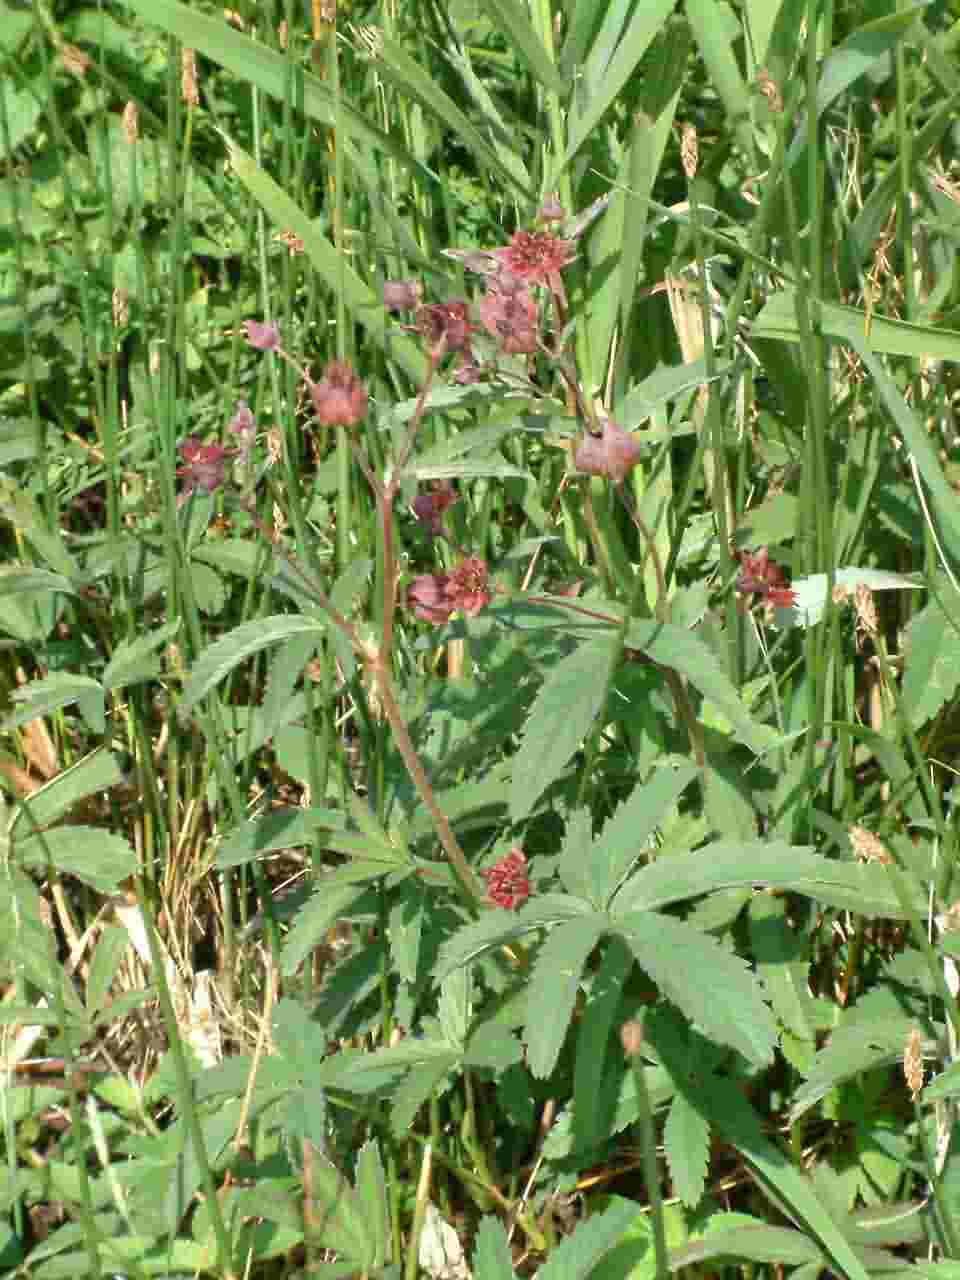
x=711 y=986
x=364 y=305
x=563 y=713
x=510 y=19
x=553 y=989
x=715 y=35
x=686 y=1145
x=492 y=1259
x=645 y=22
x=220 y=658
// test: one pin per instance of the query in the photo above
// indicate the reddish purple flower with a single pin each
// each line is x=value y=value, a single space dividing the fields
x=551 y=210
x=508 y=884
x=401 y=295
x=429 y=507
x=613 y=453
x=263 y=337
x=763 y=577
x=535 y=257
x=436 y=597
x=510 y=314
x=445 y=321
x=339 y=398
x=205 y=465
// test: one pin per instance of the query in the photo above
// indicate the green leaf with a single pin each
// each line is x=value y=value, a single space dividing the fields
x=715 y=32
x=563 y=713
x=931 y=672
x=133 y=661
x=416 y=1089
x=553 y=989
x=97 y=857
x=372 y=1194
x=712 y=987
x=680 y=649
x=598 y=1064
x=314 y=920
x=281 y=829
x=853 y=1048
x=93 y=775
x=492 y=1259
x=63 y=689
x=740 y=1237
x=863 y=888
x=219 y=659
x=686 y=1145
x=781 y=954
x=624 y=836
x=577 y=1254
x=511 y=19
x=14 y=579
x=608 y=77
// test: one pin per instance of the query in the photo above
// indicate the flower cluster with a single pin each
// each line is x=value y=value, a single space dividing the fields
x=436 y=597
x=508 y=884
x=762 y=577
x=205 y=465
x=612 y=453
x=339 y=398
x=429 y=508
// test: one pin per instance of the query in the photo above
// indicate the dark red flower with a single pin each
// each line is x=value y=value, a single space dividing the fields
x=205 y=465
x=508 y=884
x=763 y=577
x=445 y=321
x=339 y=398
x=263 y=337
x=535 y=257
x=429 y=507
x=613 y=453
x=510 y=314
x=436 y=597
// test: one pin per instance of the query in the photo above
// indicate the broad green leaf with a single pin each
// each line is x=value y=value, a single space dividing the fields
x=314 y=920
x=408 y=907
x=416 y=1089
x=93 y=775
x=599 y=1064
x=553 y=989
x=811 y=591
x=497 y=927
x=281 y=829
x=492 y=1259
x=220 y=658
x=680 y=649
x=133 y=661
x=493 y=1047
x=108 y=953
x=97 y=857
x=577 y=1254
x=563 y=714
x=624 y=836
x=574 y=864
x=364 y=305
x=740 y=1237
x=339 y=1215
x=853 y=1048
x=43 y=697
x=863 y=888
x=686 y=1145
x=14 y=579
x=372 y=1194
x=781 y=954
x=712 y=987
x=931 y=672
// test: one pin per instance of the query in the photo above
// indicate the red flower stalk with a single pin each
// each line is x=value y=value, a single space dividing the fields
x=508 y=884
x=244 y=427
x=339 y=398
x=613 y=453
x=436 y=597
x=429 y=507
x=262 y=337
x=763 y=577
x=205 y=465
x=510 y=314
